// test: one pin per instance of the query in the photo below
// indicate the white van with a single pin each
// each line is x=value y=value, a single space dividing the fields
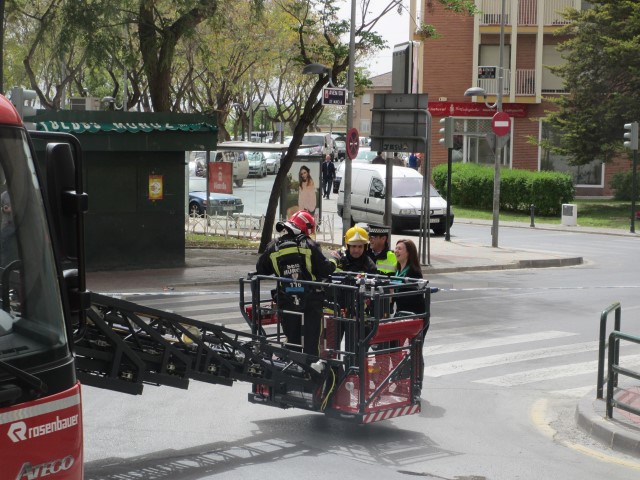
x=368 y=198
x=238 y=158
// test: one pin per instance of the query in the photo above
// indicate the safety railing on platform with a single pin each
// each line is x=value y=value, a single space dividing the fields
x=248 y=226
x=615 y=369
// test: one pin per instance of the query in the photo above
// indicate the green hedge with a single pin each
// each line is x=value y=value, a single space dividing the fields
x=621 y=183
x=472 y=187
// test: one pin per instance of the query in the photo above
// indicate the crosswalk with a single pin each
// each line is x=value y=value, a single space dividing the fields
x=560 y=362
x=222 y=308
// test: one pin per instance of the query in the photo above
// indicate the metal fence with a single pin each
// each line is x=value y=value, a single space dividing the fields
x=614 y=368
x=250 y=227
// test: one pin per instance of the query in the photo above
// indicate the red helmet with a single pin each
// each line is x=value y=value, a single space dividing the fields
x=304 y=221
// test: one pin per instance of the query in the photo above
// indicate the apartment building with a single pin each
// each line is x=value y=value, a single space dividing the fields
x=467 y=55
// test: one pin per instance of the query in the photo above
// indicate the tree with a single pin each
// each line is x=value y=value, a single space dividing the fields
x=602 y=76
x=323 y=38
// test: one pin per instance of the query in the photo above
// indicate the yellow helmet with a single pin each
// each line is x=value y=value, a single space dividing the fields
x=356 y=236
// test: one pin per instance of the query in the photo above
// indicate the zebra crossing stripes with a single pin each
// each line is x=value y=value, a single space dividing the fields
x=493 y=342
x=551 y=373
x=460 y=366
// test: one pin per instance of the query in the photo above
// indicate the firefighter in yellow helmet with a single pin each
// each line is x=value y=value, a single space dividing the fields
x=353 y=256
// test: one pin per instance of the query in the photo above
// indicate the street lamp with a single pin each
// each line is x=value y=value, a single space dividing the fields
x=480 y=92
x=318 y=69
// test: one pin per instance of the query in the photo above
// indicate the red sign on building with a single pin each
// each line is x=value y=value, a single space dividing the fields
x=469 y=109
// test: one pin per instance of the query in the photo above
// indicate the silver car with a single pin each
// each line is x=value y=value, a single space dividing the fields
x=257 y=164
x=273 y=162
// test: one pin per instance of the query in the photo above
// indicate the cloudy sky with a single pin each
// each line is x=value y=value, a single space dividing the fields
x=393 y=27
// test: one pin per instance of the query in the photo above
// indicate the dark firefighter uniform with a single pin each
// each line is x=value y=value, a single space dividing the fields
x=296 y=256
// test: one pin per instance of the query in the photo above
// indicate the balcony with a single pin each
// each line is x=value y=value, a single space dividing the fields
x=525 y=83
x=526 y=14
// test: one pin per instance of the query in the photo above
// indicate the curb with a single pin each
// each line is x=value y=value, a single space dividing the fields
x=590 y=417
x=427 y=270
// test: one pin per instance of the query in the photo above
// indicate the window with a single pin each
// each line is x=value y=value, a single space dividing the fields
x=551 y=57
x=365 y=126
x=377 y=188
x=591 y=174
x=472 y=146
x=366 y=98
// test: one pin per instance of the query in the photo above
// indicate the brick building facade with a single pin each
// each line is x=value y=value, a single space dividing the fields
x=449 y=65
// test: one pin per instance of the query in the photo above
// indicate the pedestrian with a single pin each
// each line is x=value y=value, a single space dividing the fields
x=413 y=161
x=397 y=161
x=378 y=160
x=296 y=256
x=328 y=175
x=379 y=250
x=408 y=266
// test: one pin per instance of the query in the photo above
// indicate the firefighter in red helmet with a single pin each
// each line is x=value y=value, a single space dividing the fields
x=296 y=256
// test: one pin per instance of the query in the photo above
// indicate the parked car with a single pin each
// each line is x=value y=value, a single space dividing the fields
x=319 y=143
x=219 y=203
x=368 y=198
x=257 y=164
x=273 y=161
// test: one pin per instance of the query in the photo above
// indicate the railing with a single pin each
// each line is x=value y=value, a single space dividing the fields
x=527 y=12
x=615 y=369
x=603 y=343
x=525 y=82
x=247 y=226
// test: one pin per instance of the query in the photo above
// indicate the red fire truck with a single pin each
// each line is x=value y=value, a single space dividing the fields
x=55 y=335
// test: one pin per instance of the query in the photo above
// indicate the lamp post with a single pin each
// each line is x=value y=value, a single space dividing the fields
x=477 y=91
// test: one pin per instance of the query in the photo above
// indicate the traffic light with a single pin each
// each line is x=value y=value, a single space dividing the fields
x=446 y=132
x=21 y=95
x=631 y=135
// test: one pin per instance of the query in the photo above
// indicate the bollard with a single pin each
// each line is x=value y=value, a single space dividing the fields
x=533 y=213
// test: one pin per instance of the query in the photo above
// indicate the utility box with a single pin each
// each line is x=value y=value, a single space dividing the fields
x=569 y=214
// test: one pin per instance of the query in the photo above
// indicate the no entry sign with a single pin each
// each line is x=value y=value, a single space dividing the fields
x=501 y=124
x=353 y=143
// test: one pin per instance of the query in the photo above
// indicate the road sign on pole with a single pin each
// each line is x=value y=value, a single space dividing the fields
x=501 y=124
x=353 y=143
x=334 y=96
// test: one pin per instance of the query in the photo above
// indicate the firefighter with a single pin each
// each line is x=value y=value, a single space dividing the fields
x=379 y=251
x=353 y=256
x=296 y=256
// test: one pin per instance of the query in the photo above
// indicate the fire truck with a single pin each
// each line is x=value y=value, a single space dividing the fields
x=56 y=336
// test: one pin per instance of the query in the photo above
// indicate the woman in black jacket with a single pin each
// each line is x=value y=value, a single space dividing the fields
x=408 y=266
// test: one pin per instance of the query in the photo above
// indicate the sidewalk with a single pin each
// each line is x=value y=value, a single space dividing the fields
x=217 y=267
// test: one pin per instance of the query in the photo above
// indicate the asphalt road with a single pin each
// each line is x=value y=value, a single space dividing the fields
x=508 y=356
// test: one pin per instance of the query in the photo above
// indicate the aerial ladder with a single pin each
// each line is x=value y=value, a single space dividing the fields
x=369 y=368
